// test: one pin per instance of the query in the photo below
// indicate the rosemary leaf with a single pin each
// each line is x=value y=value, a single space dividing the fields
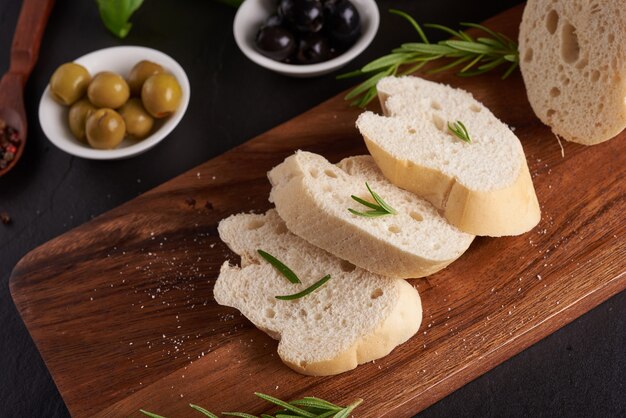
x=458 y=34
x=380 y=200
x=329 y=414
x=490 y=42
x=498 y=36
x=364 y=202
x=492 y=64
x=460 y=131
x=453 y=64
x=413 y=69
x=430 y=49
x=369 y=213
x=351 y=74
x=472 y=63
x=203 y=411
x=284 y=404
x=150 y=414
x=318 y=403
x=510 y=70
x=366 y=85
x=467 y=46
x=299 y=295
x=346 y=412
x=239 y=414
x=408 y=17
x=379 y=209
x=385 y=61
x=278 y=265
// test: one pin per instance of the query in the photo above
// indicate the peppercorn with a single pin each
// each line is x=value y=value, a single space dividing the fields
x=10 y=142
x=5 y=218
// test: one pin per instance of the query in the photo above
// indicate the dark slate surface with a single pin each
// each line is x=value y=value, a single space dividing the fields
x=576 y=372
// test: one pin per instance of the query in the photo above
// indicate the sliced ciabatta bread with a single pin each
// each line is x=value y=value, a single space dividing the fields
x=355 y=317
x=483 y=187
x=573 y=60
x=313 y=196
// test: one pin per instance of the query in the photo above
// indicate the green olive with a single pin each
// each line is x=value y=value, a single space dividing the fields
x=140 y=73
x=69 y=83
x=79 y=112
x=108 y=90
x=161 y=95
x=138 y=122
x=105 y=129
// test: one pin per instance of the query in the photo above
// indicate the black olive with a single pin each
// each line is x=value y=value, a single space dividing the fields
x=273 y=20
x=329 y=7
x=313 y=48
x=275 y=42
x=303 y=15
x=343 y=22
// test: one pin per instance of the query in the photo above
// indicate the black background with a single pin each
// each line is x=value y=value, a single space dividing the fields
x=578 y=371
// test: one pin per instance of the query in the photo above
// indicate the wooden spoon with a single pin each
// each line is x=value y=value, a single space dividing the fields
x=24 y=52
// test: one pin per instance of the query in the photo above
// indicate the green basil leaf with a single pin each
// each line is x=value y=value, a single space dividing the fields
x=115 y=15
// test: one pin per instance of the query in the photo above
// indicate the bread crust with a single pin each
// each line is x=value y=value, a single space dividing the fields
x=395 y=330
x=512 y=210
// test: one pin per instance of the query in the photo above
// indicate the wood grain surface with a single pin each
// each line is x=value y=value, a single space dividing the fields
x=122 y=309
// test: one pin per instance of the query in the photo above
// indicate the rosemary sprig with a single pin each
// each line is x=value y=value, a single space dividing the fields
x=460 y=131
x=306 y=291
x=292 y=277
x=278 y=265
x=307 y=407
x=475 y=55
x=380 y=209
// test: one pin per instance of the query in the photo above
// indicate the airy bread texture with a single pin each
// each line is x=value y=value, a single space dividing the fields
x=312 y=196
x=354 y=318
x=573 y=60
x=482 y=188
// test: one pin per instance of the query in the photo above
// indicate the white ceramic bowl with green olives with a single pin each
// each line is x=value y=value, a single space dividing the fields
x=114 y=103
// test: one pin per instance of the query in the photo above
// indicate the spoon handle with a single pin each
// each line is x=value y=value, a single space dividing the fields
x=28 y=33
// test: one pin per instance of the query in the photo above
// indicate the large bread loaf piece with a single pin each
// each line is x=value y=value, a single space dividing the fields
x=573 y=60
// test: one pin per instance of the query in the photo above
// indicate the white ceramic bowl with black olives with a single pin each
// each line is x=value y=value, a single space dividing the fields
x=305 y=38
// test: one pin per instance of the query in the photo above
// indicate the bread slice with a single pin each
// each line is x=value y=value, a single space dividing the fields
x=483 y=187
x=354 y=318
x=573 y=60
x=312 y=196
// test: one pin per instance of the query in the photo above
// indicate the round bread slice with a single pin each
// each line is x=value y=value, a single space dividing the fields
x=313 y=196
x=573 y=60
x=483 y=187
x=354 y=318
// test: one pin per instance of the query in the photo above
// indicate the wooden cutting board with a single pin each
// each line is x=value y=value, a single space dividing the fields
x=123 y=314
